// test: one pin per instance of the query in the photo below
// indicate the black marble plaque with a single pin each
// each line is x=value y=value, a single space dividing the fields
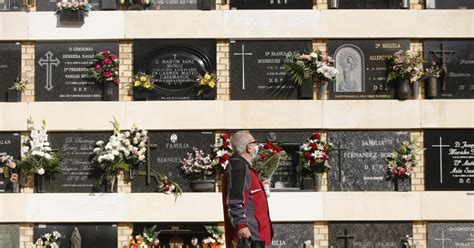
x=175 y=234
x=61 y=70
x=9 y=235
x=289 y=175
x=92 y=235
x=363 y=68
x=171 y=148
x=50 y=5
x=451 y=234
x=369 y=234
x=257 y=69
x=459 y=58
x=175 y=65
x=10 y=143
x=10 y=66
x=10 y=5
x=449 y=159
x=77 y=173
x=292 y=234
x=370 y=4
x=449 y=4
x=181 y=4
x=271 y=4
x=358 y=160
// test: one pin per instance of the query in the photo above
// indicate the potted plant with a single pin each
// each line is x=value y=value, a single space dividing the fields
x=207 y=86
x=14 y=93
x=142 y=85
x=199 y=169
x=406 y=67
x=267 y=162
x=109 y=159
x=400 y=164
x=314 y=155
x=432 y=75
x=303 y=67
x=72 y=12
x=49 y=240
x=11 y=172
x=37 y=157
x=215 y=238
x=105 y=71
x=221 y=152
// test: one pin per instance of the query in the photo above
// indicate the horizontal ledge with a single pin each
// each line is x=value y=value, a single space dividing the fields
x=222 y=115
x=305 y=207
x=242 y=24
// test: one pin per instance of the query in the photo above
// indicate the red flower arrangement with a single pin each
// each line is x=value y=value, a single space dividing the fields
x=221 y=151
x=267 y=160
x=315 y=153
x=106 y=67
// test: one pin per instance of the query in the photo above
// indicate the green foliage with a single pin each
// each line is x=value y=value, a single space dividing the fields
x=110 y=170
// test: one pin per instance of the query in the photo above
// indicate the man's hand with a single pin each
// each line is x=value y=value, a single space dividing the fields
x=243 y=233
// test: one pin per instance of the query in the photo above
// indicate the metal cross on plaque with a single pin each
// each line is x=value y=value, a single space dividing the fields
x=443 y=56
x=440 y=146
x=148 y=161
x=340 y=151
x=243 y=54
x=346 y=237
x=49 y=62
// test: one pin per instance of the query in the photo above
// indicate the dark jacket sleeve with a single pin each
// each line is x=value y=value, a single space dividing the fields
x=238 y=184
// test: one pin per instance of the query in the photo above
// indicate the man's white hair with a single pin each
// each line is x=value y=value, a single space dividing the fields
x=240 y=140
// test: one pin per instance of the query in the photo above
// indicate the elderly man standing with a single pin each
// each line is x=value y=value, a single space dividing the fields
x=246 y=214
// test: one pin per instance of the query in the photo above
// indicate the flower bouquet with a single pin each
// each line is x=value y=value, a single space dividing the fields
x=215 y=238
x=221 y=152
x=166 y=185
x=401 y=163
x=267 y=162
x=432 y=74
x=406 y=66
x=37 y=155
x=408 y=242
x=134 y=150
x=149 y=239
x=199 y=168
x=315 y=154
x=106 y=67
x=143 y=81
x=14 y=92
x=10 y=171
x=301 y=66
x=206 y=85
x=49 y=240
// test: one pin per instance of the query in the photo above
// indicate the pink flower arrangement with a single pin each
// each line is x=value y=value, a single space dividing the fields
x=402 y=161
x=106 y=67
x=73 y=6
x=406 y=65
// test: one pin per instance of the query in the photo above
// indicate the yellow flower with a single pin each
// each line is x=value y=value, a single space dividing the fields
x=137 y=83
x=202 y=82
x=143 y=78
x=212 y=84
x=207 y=76
x=147 y=85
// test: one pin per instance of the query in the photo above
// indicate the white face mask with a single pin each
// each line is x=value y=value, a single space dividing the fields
x=254 y=155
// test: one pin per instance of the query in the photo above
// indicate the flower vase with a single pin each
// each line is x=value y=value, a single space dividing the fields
x=318 y=181
x=203 y=185
x=323 y=85
x=109 y=91
x=404 y=89
x=431 y=87
x=16 y=187
x=305 y=89
x=111 y=186
x=71 y=17
x=13 y=95
x=140 y=94
x=209 y=94
x=416 y=89
x=39 y=183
